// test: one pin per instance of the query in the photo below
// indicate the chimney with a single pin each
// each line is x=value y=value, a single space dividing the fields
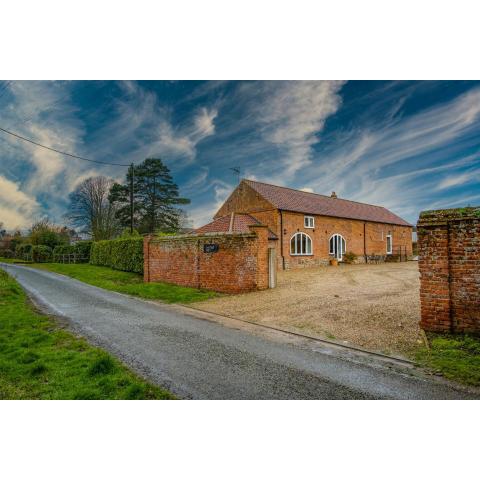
x=333 y=195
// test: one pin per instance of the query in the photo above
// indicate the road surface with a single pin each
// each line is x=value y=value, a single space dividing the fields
x=200 y=359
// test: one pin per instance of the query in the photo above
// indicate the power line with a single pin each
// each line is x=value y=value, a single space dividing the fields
x=5 y=86
x=59 y=151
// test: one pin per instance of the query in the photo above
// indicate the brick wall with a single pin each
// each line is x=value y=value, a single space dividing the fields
x=240 y=265
x=449 y=263
x=244 y=199
x=360 y=237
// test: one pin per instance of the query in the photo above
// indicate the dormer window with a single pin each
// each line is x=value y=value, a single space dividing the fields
x=309 y=222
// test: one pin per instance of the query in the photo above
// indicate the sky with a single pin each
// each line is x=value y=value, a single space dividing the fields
x=408 y=146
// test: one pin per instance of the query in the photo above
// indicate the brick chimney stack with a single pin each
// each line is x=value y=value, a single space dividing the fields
x=333 y=195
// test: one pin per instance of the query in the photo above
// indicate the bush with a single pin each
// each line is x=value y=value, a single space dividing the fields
x=81 y=249
x=127 y=234
x=23 y=251
x=63 y=249
x=7 y=253
x=120 y=254
x=349 y=257
x=41 y=253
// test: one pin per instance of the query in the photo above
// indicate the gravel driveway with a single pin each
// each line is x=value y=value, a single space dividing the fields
x=376 y=307
x=195 y=358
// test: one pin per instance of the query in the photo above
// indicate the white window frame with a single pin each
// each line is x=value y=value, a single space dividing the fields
x=307 y=219
x=301 y=254
x=389 y=251
x=338 y=240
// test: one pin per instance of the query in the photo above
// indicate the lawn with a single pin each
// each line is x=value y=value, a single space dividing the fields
x=40 y=360
x=456 y=357
x=127 y=282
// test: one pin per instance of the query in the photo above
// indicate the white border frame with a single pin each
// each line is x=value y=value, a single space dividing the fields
x=301 y=254
x=342 y=253
x=391 y=244
x=305 y=218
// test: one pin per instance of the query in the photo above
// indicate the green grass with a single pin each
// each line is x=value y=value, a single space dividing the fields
x=40 y=360
x=127 y=282
x=456 y=357
x=14 y=260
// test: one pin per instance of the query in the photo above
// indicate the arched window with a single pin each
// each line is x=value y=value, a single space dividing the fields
x=301 y=244
x=337 y=246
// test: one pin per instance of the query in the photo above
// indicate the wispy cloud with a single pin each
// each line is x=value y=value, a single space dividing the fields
x=398 y=165
x=16 y=207
x=137 y=125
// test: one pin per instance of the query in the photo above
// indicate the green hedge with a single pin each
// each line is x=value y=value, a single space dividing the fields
x=122 y=254
x=41 y=253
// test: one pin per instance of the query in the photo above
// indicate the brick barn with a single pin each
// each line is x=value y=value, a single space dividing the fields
x=309 y=229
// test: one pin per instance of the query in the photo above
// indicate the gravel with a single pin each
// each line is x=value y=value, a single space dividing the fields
x=376 y=307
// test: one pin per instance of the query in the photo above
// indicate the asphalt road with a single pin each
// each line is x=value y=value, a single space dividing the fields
x=196 y=358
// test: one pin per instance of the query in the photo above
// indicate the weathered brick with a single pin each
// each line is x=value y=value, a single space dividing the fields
x=240 y=265
x=449 y=265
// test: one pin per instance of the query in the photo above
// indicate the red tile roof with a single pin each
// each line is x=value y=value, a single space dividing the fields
x=241 y=221
x=292 y=200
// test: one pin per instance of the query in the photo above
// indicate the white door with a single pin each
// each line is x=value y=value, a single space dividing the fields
x=337 y=246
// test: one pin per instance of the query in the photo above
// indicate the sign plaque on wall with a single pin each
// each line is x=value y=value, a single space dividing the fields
x=210 y=248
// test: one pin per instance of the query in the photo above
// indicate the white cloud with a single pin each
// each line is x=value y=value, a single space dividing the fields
x=17 y=209
x=293 y=115
x=141 y=127
x=455 y=180
x=397 y=165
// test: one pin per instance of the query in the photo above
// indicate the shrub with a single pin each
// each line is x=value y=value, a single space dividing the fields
x=41 y=253
x=120 y=254
x=81 y=249
x=349 y=257
x=7 y=253
x=63 y=249
x=23 y=250
x=127 y=234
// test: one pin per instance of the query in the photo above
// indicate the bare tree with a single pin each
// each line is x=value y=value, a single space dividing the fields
x=91 y=210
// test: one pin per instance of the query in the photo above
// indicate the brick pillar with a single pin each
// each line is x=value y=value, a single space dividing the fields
x=449 y=264
x=262 y=255
x=146 y=257
x=434 y=277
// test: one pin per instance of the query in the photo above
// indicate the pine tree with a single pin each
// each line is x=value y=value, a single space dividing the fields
x=155 y=198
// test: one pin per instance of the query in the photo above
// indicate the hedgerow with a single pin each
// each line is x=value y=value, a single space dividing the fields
x=121 y=254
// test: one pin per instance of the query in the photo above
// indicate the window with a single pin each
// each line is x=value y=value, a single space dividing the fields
x=337 y=246
x=389 y=244
x=309 y=222
x=301 y=244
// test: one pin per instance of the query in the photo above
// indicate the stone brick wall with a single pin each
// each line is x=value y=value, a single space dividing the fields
x=449 y=264
x=239 y=265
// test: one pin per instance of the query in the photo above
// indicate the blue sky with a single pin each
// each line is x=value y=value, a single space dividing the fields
x=408 y=146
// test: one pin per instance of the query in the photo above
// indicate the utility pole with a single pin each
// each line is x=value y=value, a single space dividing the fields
x=153 y=203
x=131 y=198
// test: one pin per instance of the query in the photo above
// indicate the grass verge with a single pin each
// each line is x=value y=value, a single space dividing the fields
x=40 y=360
x=456 y=357
x=126 y=282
